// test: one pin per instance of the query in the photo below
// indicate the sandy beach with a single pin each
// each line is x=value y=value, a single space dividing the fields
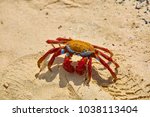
x=122 y=26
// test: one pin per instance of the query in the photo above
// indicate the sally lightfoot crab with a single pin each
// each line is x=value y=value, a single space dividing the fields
x=84 y=49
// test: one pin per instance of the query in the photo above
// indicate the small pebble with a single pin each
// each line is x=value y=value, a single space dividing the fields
x=6 y=85
x=2 y=22
x=46 y=13
x=60 y=27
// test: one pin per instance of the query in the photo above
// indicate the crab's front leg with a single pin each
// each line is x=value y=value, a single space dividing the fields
x=81 y=66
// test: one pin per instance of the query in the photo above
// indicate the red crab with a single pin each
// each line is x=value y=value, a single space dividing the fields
x=84 y=49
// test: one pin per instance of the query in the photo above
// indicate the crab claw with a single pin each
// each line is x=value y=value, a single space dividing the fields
x=67 y=65
x=81 y=67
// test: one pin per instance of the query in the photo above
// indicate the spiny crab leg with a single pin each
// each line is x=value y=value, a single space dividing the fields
x=45 y=55
x=107 y=66
x=107 y=57
x=104 y=49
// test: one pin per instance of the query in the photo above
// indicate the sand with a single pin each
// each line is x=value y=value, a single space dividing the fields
x=123 y=26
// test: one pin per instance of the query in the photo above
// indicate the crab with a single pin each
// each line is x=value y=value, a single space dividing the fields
x=84 y=49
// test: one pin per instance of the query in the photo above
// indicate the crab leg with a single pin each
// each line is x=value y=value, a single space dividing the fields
x=107 y=66
x=57 y=53
x=107 y=57
x=104 y=49
x=63 y=39
x=59 y=40
x=89 y=69
x=45 y=55
x=55 y=42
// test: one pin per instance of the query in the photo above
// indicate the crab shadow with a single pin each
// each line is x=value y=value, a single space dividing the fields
x=65 y=77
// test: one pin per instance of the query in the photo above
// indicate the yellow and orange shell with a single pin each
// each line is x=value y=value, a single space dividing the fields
x=80 y=46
